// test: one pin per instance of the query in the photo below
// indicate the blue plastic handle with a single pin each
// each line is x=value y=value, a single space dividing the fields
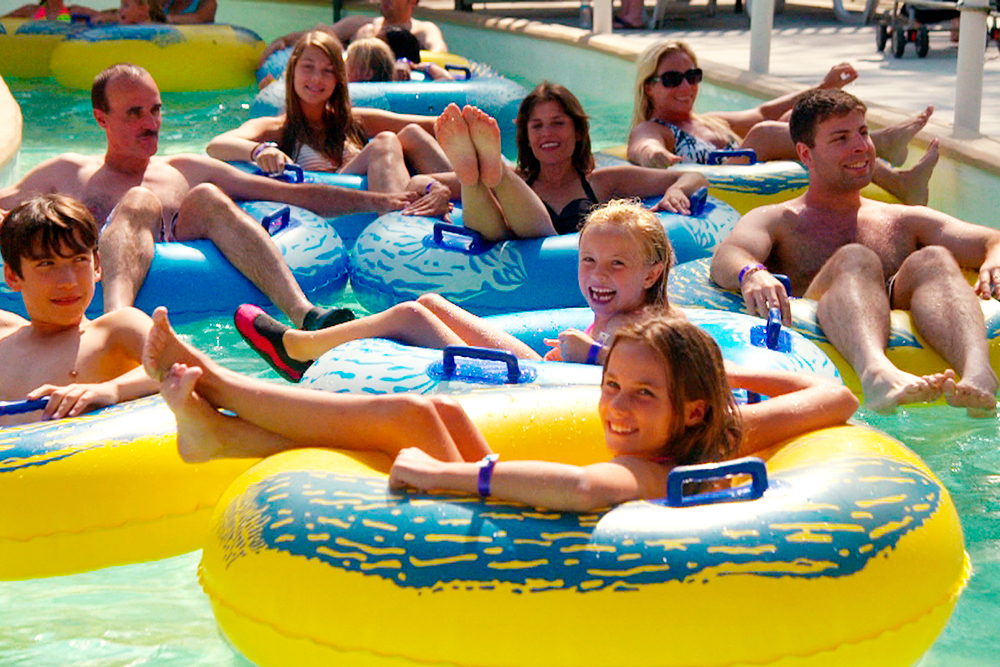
x=681 y=475
x=293 y=173
x=459 y=68
x=698 y=200
x=475 y=238
x=716 y=157
x=22 y=406
x=276 y=221
x=488 y=354
x=773 y=328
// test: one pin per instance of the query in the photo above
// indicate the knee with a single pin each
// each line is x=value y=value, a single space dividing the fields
x=432 y=302
x=932 y=261
x=386 y=142
x=412 y=134
x=205 y=195
x=855 y=259
x=412 y=312
x=138 y=200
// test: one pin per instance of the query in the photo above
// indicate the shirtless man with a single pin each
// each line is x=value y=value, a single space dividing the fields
x=141 y=198
x=49 y=247
x=858 y=258
x=395 y=14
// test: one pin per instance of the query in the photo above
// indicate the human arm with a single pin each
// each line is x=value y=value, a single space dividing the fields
x=742 y=121
x=59 y=174
x=974 y=247
x=430 y=36
x=797 y=403
x=651 y=145
x=434 y=196
x=575 y=347
x=379 y=120
x=750 y=244
x=240 y=144
x=74 y=399
x=556 y=486
x=343 y=30
x=205 y=13
x=324 y=200
x=674 y=187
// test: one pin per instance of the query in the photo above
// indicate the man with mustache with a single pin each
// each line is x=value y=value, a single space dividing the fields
x=141 y=198
x=858 y=258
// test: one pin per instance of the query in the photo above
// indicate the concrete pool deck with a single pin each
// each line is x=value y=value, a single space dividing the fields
x=806 y=42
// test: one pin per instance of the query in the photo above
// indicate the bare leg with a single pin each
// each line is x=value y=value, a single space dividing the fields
x=277 y=417
x=423 y=153
x=771 y=141
x=431 y=321
x=207 y=213
x=127 y=247
x=910 y=186
x=931 y=286
x=382 y=161
x=854 y=313
x=892 y=143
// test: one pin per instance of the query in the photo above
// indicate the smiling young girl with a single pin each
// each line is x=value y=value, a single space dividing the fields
x=320 y=131
x=664 y=402
x=624 y=260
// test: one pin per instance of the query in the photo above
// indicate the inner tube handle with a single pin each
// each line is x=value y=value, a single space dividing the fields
x=451 y=351
x=276 y=221
x=459 y=68
x=22 y=406
x=698 y=199
x=681 y=475
x=475 y=238
x=773 y=328
x=716 y=157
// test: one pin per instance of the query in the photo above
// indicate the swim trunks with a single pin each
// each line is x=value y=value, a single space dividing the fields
x=167 y=228
x=691 y=148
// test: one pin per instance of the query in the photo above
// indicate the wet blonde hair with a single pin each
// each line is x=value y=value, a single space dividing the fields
x=372 y=56
x=695 y=371
x=647 y=230
x=646 y=66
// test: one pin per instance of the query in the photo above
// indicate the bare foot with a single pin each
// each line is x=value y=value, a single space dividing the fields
x=887 y=391
x=893 y=142
x=196 y=435
x=977 y=394
x=163 y=348
x=453 y=135
x=913 y=185
x=485 y=135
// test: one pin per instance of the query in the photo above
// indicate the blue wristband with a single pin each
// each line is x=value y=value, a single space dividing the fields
x=593 y=353
x=486 y=474
x=748 y=269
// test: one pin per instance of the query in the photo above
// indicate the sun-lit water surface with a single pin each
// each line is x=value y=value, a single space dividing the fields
x=156 y=614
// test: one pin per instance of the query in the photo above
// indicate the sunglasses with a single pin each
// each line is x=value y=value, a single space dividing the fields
x=673 y=78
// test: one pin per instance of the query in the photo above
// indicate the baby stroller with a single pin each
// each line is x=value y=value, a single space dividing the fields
x=913 y=21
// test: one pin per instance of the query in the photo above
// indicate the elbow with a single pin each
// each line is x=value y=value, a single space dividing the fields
x=847 y=402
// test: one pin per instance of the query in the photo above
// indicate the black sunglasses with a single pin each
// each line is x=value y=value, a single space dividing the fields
x=673 y=78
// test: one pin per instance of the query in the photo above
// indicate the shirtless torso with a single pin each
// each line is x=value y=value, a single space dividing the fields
x=804 y=238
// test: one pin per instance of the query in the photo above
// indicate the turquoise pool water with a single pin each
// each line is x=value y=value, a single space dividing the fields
x=156 y=614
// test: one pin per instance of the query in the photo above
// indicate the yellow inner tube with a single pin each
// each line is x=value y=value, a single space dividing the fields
x=312 y=561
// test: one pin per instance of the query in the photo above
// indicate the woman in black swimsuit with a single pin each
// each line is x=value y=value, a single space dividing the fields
x=555 y=184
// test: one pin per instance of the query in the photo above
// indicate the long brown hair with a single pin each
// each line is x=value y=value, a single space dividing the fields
x=583 y=157
x=339 y=125
x=695 y=371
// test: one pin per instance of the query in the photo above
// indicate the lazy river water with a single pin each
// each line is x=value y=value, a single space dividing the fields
x=156 y=614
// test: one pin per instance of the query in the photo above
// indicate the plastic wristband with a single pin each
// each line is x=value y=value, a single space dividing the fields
x=430 y=186
x=486 y=474
x=594 y=352
x=750 y=269
x=260 y=148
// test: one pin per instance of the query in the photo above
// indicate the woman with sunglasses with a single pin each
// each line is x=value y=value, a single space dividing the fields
x=666 y=130
x=555 y=183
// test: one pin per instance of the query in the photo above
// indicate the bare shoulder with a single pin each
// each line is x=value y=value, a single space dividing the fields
x=10 y=322
x=125 y=323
